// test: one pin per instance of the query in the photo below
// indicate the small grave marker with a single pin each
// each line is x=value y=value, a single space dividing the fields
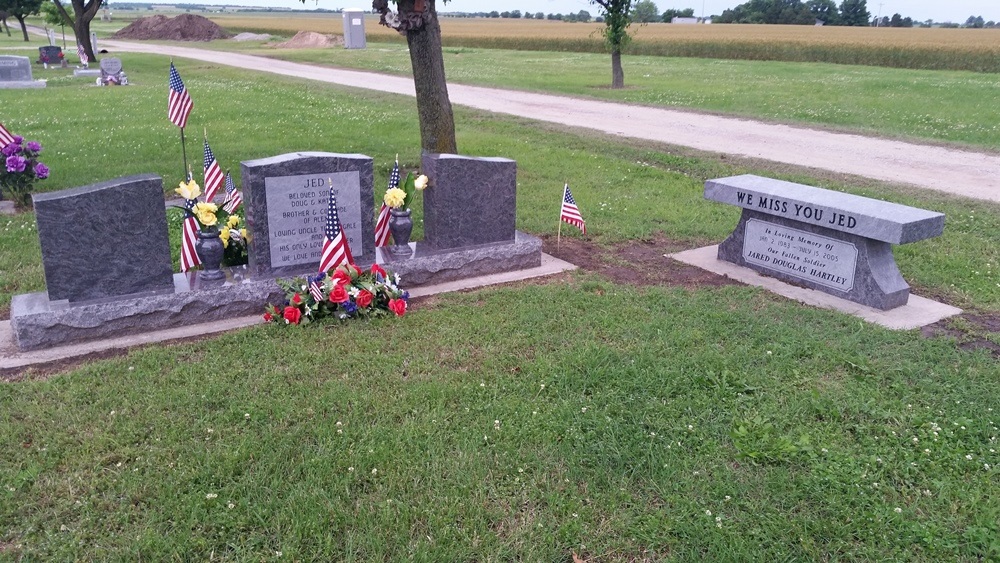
x=471 y=201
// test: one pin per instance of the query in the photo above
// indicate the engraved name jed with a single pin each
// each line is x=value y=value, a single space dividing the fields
x=798 y=211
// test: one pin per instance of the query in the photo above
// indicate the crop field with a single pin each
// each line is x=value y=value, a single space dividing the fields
x=954 y=49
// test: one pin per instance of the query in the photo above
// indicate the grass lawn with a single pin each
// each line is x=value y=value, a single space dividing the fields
x=575 y=415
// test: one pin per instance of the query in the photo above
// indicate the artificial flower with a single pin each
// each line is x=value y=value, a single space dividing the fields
x=420 y=183
x=364 y=298
x=233 y=222
x=340 y=277
x=206 y=213
x=292 y=315
x=394 y=198
x=398 y=306
x=296 y=299
x=268 y=318
x=41 y=171
x=378 y=271
x=224 y=235
x=34 y=146
x=339 y=294
x=16 y=163
x=189 y=190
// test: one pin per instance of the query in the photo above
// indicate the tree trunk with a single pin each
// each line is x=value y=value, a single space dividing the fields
x=82 y=29
x=3 y=21
x=24 y=28
x=437 y=121
x=84 y=13
x=617 y=74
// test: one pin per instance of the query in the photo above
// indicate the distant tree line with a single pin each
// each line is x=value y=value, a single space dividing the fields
x=850 y=12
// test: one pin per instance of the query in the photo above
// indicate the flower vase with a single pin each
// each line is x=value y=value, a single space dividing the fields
x=400 y=225
x=210 y=250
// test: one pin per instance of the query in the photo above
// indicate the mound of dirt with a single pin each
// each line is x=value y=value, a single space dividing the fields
x=185 y=27
x=311 y=39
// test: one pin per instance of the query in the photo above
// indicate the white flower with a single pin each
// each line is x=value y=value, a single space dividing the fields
x=211 y=496
x=708 y=512
x=897 y=510
x=374 y=471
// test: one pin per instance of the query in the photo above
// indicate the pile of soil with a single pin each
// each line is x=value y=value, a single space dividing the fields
x=311 y=39
x=246 y=36
x=185 y=27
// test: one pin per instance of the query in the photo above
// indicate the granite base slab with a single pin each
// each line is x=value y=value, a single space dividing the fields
x=23 y=84
x=91 y=72
x=38 y=322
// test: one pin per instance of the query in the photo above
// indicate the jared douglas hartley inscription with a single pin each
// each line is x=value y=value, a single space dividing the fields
x=823 y=260
x=798 y=211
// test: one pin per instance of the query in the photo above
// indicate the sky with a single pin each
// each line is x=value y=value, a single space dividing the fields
x=919 y=10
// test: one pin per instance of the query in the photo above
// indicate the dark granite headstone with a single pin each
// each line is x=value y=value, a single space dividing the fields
x=15 y=72
x=286 y=199
x=470 y=201
x=50 y=51
x=105 y=240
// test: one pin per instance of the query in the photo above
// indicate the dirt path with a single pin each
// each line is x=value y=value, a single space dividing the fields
x=960 y=172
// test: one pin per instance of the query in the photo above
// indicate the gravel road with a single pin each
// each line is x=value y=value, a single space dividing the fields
x=966 y=173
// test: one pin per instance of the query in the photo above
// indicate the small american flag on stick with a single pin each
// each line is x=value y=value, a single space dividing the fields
x=179 y=102
x=189 y=235
x=82 y=53
x=570 y=213
x=233 y=197
x=336 y=250
x=316 y=286
x=213 y=174
x=5 y=137
x=382 y=223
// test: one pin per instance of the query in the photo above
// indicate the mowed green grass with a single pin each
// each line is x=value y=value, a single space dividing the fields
x=522 y=423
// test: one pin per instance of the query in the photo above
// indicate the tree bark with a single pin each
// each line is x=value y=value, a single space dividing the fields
x=24 y=28
x=437 y=121
x=84 y=12
x=617 y=74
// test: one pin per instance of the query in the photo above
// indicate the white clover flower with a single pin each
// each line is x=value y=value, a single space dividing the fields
x=211 y=496
x=897 y=510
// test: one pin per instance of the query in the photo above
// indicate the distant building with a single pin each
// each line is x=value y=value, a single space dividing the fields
x=679 y=20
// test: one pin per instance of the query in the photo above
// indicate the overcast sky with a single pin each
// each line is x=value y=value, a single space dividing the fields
x=920 y=10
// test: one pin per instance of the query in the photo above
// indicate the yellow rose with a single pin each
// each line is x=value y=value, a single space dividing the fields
x=234 y=221
x=188 y=190
x=420 y=183
x=243 y=233
x=394 y=198
x=224 y=235
x=206 y=213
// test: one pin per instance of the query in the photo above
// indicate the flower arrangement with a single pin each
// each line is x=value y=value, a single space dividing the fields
x=347 y=293
x=21 y=170
x=209 y=216
x=400 y=198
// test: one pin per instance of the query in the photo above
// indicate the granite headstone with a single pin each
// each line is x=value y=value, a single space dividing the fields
x=105 y=240
x=470 y=201
x=50 y=52
x=15 y=72
x=287 y=198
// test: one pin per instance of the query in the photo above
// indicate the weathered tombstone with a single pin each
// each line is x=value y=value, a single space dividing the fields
x=822 y=239
x=111 y=72
x=286 y=205
x=471 y=201
x=52 y=36
x=15 y=72
x=93 y=42
x=50 y=52
x=105 y=240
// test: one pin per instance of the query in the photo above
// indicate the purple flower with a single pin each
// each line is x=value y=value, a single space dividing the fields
x=349 y=307
x=16 y=163
x=11 y=149
x=41 y=171
x=18 y=139
x=35 y=146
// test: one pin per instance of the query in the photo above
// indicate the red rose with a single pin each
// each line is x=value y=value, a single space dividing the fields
x=293 y=315
x=296 y=300
x=268 y=318
x=397 y=306
x=339 y=294
x=341 y=277
x=377 y=270
x=364 y=298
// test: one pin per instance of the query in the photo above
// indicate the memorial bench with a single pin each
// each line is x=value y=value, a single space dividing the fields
x=822 y=239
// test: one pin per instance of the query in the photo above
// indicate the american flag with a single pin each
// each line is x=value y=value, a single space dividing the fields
x=5 y=137
x=316 y=286
x=570 y=213
x=233 y=197
x=213 y=174
x=382 y=223
x=179 y=103
x=336 y=250
x=82 y=54
x=189 y=235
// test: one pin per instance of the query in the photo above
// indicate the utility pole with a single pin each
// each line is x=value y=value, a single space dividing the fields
x=878 y=20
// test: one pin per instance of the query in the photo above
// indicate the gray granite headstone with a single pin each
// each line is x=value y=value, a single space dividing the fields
x=50 y=51
x=470 y=201
x=822 y=239
x=15 y=72
x=111 y=65
x=105 y=240
x=286 y=199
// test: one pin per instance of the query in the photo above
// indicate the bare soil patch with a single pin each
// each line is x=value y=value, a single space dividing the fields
x=185 y=27
x=311 y=40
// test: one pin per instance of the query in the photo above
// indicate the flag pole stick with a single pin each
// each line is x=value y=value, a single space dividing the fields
x=184 y=152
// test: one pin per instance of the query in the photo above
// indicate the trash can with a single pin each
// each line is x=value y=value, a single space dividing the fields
x=354 y=29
